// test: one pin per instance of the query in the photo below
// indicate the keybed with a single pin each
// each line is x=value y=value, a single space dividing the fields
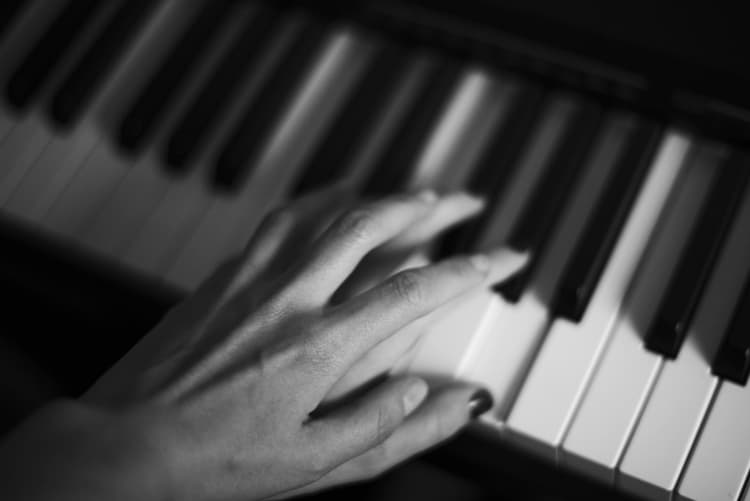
x=157 y=134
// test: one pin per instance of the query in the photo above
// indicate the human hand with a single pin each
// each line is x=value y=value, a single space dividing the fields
x=238 y=372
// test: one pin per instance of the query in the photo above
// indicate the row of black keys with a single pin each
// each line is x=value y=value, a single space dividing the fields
x=350 y=131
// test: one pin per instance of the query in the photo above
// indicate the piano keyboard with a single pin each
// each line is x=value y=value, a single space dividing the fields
x=156 y=134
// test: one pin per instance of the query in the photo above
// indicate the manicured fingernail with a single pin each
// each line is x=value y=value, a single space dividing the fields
x=414 y=396
x=481 y=401
x=428 y=196
x=480 y=262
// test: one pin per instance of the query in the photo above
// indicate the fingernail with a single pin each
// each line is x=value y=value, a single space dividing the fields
x=480 y=262
x=428 y=196
x=414 y=396
x=481 y=401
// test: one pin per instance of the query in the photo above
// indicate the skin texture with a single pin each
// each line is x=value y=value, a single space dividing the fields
x=260 y=384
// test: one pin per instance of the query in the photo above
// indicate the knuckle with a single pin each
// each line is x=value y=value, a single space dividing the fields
x=387 y=419
x=408 y=286
x=358 y=224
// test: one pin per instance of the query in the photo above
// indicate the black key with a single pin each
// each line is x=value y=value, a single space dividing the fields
x=397 y=162
x=240 y=59
x=732 y=361
x=83 y=80
x=154 y=100
x=668 y=330
x=8 y=11
x=30 y=76
x=358 y=116
x=547 y=202
x=496 y=166
x=240 y=152
x=593 y=250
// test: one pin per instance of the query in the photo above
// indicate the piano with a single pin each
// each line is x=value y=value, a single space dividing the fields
x=142 y=141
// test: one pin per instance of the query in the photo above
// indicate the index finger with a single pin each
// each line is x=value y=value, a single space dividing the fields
x=356 y=326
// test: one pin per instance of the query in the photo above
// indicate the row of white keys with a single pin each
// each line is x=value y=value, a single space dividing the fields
x=32 y=131
x=558 y=377
x=442 y=350
x=98 y=176
x=720 y=461
x=137 y=194
x=232 y=218
x=501 y=356
x=684 y=388
x=187 y=200
x=620 y=386
x=70 y=161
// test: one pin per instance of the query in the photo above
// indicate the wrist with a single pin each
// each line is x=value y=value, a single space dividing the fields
x=75 y=451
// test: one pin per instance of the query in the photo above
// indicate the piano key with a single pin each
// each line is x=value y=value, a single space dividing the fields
x=530 y=233
x=558 y=377
x=733 y=359
x=595 y=248
x=23 y=144
x=8 y=11
x=230 y=220
x=188 y=200
x=621 y=383
x=500 y=355
x=241 y=58
x=497 y=164
x=30 y=76
x=378 y=86
x=240 y=153
x=398 y=161
x=501 y=336
x=538 y=152
x=667 y=332
x=45 y=182
x=146 y=113
x=81 y=82
x=720 y=460
x=118 y=220
x=683 y=391
x=445 y=161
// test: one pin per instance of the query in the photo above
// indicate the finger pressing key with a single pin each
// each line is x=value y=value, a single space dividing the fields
x=359 y=324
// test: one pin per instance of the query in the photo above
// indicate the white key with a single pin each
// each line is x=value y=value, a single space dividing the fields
x=20 y=150
x=229 y=222
x=487 y=316
x=720 y=461
x=501 y=356
x=555 y=384
x=621 y=384
x=144 y=186
x=82 y=192
x=683 y=390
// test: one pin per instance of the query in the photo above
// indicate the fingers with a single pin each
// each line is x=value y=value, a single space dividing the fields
x=450 y=210
x=349 y=239
x=285 y=230
x=367 y=421
x=446 y=411
x=354 y=327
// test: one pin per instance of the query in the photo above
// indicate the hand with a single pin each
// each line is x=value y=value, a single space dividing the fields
x=238 y=378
